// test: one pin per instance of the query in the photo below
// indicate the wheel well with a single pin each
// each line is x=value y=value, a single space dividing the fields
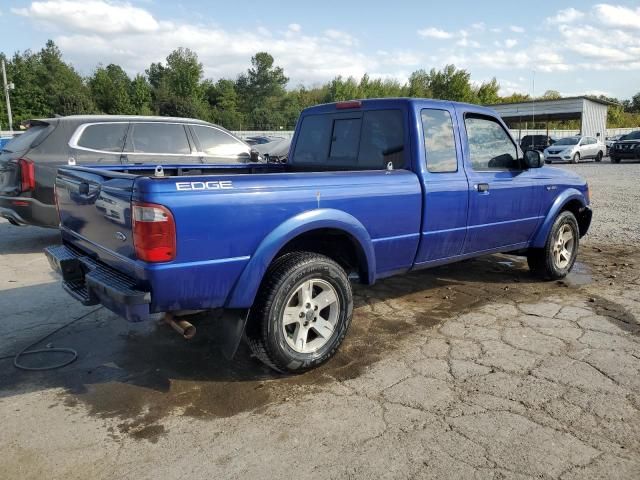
x=335 y=244
x=576 y=207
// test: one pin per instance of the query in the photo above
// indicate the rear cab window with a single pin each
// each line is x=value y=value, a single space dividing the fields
x=368 y=140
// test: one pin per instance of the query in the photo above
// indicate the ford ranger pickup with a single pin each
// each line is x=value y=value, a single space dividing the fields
x=371 y=188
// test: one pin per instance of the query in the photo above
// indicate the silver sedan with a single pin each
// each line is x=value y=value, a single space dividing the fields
x=574 y=149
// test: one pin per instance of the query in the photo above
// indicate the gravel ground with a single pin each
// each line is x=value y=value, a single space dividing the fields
x=471 y=370
x=615 y=197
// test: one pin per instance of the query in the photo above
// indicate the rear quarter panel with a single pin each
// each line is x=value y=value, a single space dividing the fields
x=219 y=231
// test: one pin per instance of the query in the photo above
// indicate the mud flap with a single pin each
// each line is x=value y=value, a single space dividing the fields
x=232 y=325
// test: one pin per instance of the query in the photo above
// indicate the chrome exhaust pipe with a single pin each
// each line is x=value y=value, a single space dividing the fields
x=184 y=328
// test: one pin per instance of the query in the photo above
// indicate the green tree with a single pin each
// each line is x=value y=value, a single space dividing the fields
x=65 y=90
x=110 y=87
x=261 y=90
x=420 y=84
x=183 y=73
x=487 y=93
x=451 y=83
x=551 y=95
x=223 y=99
x=140 y=95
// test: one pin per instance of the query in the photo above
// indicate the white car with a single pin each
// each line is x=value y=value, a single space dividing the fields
x=574 y=149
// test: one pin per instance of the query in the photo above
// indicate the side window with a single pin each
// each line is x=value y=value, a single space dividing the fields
x=439 y=141
x=382 y=140
x=215 y=142
x=155 y=137
x=107 y=137
x=345 y=141
x=490 y=147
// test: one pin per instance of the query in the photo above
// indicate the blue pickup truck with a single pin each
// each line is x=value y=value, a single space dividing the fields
x=372 y=188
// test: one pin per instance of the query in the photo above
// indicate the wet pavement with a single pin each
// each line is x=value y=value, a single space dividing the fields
x=475 y=369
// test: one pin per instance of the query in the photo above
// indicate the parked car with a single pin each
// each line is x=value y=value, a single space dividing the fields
x=261 y=139
x=609 y=141
x=275 y=151
x=372 y=188
x=627 y=147
x=536 y=142
x=574 y=149
x=28 y=163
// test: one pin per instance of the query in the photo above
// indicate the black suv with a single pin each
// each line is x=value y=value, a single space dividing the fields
x=28 y=163
x=536 y=142
x=626 y=147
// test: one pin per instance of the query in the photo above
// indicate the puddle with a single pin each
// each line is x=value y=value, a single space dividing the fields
x=580 y=275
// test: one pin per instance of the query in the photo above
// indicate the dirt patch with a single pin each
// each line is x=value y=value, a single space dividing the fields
x=159 y=374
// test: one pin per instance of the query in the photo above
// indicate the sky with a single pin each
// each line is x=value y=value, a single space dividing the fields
x=575 y=47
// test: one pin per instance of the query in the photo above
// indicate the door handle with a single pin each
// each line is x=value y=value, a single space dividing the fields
x=482 y=187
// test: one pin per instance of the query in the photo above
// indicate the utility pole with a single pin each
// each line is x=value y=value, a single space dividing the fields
x=7 y=87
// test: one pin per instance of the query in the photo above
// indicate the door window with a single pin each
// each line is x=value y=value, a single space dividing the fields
x=106 y=137
x=215 y=142
x=158 y=137
x=439 y=142
x=490 y=147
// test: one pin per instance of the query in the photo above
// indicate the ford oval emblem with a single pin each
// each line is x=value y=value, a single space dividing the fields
x=121 y=236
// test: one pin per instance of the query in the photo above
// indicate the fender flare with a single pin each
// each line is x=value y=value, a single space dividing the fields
x=540 y=237
x=246 y=287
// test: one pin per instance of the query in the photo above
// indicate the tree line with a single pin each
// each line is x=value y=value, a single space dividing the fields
x=258 y=99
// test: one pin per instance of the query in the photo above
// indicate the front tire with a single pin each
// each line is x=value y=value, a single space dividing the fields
x=576 y=158
x=555 y=260
x=302 y=313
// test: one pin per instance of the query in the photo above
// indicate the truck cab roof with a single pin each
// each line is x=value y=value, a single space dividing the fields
x=399 y=102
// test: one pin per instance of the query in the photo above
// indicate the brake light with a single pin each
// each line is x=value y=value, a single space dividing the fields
x=154 y=232
x=348 y=104
x=27 y=175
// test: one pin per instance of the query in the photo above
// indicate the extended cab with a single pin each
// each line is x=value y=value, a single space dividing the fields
x=371 y=188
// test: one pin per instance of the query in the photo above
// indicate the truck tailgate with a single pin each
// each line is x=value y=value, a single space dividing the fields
x=95 y=206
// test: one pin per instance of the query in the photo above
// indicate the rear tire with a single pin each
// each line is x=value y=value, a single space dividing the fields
x=555 y=260
x=599 y=157
x=615 y=160
x=302 y=312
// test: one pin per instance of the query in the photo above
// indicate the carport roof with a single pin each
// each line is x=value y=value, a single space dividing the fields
x=570 y=108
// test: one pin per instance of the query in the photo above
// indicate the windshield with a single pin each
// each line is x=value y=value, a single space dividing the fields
x=567 y=141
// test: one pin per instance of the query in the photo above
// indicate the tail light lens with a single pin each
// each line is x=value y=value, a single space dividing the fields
x=154 y=232
x=27 y=175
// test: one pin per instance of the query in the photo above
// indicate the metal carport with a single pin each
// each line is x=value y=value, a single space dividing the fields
x=591 y=112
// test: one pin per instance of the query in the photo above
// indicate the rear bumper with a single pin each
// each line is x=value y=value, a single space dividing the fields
x=28 y=211
x=91 y=283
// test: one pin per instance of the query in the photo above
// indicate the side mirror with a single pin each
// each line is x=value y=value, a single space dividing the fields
x=254 y=155
x=532 y=159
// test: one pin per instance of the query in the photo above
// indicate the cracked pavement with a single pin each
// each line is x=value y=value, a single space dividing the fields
x=473 y=370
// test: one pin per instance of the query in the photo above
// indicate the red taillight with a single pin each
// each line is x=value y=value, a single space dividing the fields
x=348 y=104
x=154 y=232
x=27 y=175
